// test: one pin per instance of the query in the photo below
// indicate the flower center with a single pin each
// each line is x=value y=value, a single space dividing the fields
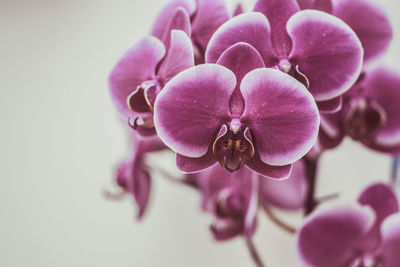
x=233 y=148
x=364 y=119
x=142 y=99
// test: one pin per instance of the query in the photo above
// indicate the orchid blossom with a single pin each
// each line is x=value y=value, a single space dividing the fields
x=370 y=114
x=232 y=198
x=240 y=114
x=133 y=176
x=366 y=17
x=143 y=71
x=353 y=235
x=316 y=48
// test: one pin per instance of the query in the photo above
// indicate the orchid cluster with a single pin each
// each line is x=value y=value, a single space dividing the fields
x=249 y=101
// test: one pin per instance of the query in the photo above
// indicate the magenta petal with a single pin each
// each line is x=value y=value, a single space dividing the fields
x=278 y=13
x=330 y=106
x=330 y=237
x=180 y=21
x=137 y=65
x=306 y=4
x=383 y=201
x=167 y=13
x=282 y=115
x=209 y=16
x=192 y=165
x=369 y=21
x=180 y=56
x=240 y=58
x=275 y=172
x=192 y=107
x=141 y=189
x=383 y=86
x=327 y=52
x=252 y=28
x=286 y=194
x=391 y=241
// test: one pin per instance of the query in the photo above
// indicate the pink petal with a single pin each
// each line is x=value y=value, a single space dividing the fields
x=282 y=115
x=193 y=165
x=179 y=21
x=252 y=28
x=369 y=21
x=286 y=194
x=180 y=56
x=330 y=106
x=278 y=13
x=167 y=13
x=209 y=16
x=327 y=52
x=391 y=241
x=382 y=199
x=137 y=65
x=191 y=108
x=330 y=237
x=383 y=86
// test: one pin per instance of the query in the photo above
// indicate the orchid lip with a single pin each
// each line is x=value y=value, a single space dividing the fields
x=143 y=97
x=141 y=122
x=232 y=150
x=364 y=119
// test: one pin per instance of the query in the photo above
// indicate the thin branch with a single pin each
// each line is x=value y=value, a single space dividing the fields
x=281 y=224
x=254 y=253
x=311 y=170
x=327 y=197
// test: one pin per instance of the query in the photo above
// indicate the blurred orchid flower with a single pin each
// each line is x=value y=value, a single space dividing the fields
x=370 y=114
x=354 y=235
x=143 y=71
x=133 y=176
x=289 y=194
x=232 y=198
x=199 y=19
x=240 y=114
x=366 y=17
x=316 y=48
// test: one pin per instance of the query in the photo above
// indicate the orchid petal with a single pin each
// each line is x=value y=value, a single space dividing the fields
x=200 y=97
x=330 y=106
x=326 y=51
x=391 y=241
x=281 y=114
x=137 y=65
x=209 y=16
x=330 y=237
x=180 y=21
x=166 y=14
x=278 y=13
x=252 y=28
x=240 y=58
x=382 y=199
x=180 y=56
x=141 y=189
x=193 y=165
x=268 y=171
x=369 y=21
x=287 y=194
x=383 y=86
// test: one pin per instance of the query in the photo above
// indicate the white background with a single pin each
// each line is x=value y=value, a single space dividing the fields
x=61 y=138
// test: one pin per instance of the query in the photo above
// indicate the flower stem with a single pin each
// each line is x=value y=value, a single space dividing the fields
x=311 y=171
x=254 y=253
x=283 y=225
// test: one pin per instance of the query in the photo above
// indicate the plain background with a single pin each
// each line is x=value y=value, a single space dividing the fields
x=61 y=138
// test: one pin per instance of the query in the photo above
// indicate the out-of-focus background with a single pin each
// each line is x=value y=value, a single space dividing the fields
x=61 y=138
